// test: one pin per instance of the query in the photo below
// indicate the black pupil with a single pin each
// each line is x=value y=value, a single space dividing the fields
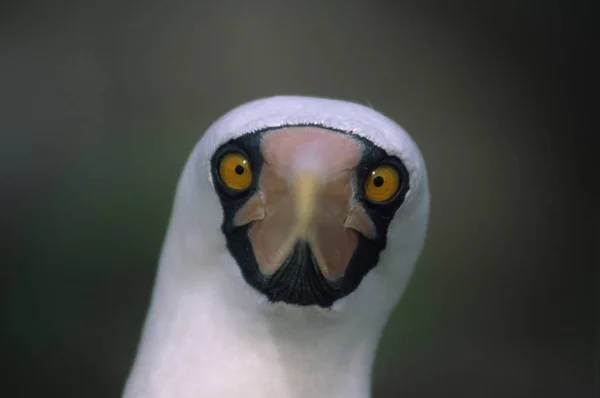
x=239 y=169
x=378 y=181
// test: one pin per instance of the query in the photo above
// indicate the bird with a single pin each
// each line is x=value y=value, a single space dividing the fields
x=296 y=225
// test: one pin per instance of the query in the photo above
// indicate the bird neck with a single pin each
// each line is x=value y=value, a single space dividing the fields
x=208 y=334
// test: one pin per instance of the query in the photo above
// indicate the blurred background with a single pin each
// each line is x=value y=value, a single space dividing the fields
x=101 y=103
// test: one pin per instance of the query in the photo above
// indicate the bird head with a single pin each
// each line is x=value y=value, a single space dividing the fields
x=306 y=202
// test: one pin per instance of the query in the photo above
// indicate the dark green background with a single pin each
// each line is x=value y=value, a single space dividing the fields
x=100 y=105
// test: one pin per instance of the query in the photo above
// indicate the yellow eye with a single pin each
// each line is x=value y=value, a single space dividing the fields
x=235 y=171
x=382 y=184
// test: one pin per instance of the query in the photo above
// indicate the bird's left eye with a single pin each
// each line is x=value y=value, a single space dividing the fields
x=382 y=184
x=235 y=171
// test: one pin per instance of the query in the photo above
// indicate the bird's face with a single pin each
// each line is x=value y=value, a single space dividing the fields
x=306 y=209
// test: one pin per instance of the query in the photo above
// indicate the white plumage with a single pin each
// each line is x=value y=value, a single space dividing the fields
x=209 y=333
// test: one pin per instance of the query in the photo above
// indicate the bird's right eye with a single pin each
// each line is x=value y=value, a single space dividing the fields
x=235 y=171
